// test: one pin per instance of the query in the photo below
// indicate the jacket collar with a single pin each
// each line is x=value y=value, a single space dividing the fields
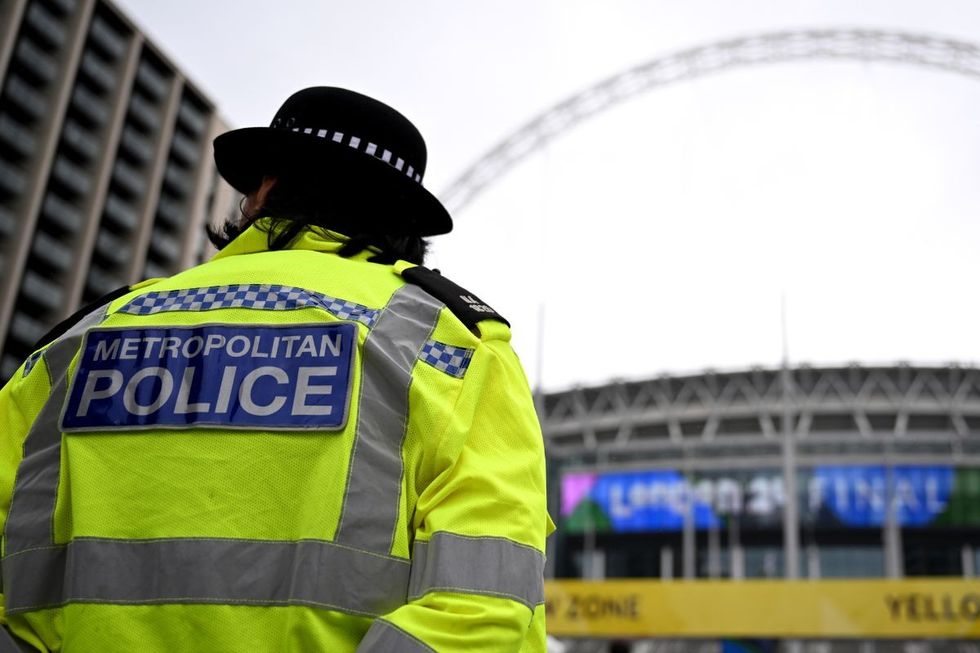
x=255 y=239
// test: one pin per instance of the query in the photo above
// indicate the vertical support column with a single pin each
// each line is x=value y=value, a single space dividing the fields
x=666 y=563
x=892 y=535
x=11 y=14
x=92 y=211
x=738 y=562
x=735 y=549
x=49 y=132
x=689 y=544
x=714 y=552
x=813 y=561
x=791 y=517
x=597 y=565
x=791 y=521
x=969 y=561
x=588 y=546
x=154 y=180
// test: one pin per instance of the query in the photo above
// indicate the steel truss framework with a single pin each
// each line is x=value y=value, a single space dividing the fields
x=733 y=419
x=842 y=44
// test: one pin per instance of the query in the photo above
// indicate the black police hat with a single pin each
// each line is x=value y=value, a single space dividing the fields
x=350 y=149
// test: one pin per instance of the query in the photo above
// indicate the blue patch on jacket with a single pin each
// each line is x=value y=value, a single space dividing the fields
x=219 y=376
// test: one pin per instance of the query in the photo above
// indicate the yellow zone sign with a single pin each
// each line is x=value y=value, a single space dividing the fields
x=764 y=608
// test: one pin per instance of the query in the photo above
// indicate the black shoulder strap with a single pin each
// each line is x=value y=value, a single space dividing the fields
x=59 y=329
x=469 y=308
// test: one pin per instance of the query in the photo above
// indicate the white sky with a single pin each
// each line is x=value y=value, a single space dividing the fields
x=660 y=235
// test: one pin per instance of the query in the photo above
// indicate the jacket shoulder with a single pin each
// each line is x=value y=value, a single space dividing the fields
x=466 y=306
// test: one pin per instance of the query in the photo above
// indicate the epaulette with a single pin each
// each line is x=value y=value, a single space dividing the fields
x=469 y=308
x=62 y=327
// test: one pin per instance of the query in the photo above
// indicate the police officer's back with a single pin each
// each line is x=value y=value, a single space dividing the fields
x=308 y=443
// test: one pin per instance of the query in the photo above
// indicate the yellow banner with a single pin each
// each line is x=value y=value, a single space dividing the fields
x=764 y=608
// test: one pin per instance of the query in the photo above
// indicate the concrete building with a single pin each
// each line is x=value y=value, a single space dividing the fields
x=105 y=168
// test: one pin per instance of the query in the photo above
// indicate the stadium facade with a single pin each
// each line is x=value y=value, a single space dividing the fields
x=685 y=476
x=626 y=457
x=105 y=173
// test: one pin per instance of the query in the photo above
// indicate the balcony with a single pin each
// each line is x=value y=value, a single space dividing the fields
x=61 y=214
x=151 y=80
x=145 y=113
x=45 y=25
x=179 y=181
x=8 y=224
x=41 y=291
x=186 y=149
x=16 y=136
x=64 y=6
x=12 y=180
x=98 y=71
x=70 y=176
x=136 y=145
x=193 y=119
x=24 y=97
x=36 y=62
x=9 y=366
x=170 y=213
x=80 y=139
x=112 y=249
x=101 y=282
x=26 y=330
x=51 y=251
x=129 y=178
x=154 y=271
x=121 y=213
x=106 y=38
x=89 y=105
x=164 y=248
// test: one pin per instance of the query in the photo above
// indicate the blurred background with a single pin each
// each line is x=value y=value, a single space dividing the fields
x=735 y=241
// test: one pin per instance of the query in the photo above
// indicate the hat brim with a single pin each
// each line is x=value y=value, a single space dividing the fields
x=395 y=202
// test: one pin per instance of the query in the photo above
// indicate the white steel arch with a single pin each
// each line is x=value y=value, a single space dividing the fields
x=848 y=44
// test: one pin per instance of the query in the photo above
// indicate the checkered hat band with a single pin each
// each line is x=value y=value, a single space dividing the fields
x=252 y=296
x=446 y=358
x=367 y=147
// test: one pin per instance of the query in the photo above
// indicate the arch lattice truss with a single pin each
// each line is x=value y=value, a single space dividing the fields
x=845 y=44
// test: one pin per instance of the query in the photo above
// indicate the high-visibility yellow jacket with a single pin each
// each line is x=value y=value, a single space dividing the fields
x=274 y=451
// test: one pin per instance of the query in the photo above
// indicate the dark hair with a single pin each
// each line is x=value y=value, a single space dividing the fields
x=292 y=209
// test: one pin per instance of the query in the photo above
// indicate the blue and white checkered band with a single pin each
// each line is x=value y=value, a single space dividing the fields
x=31 y=362
x=261 y=297
x=367 y=147
x=452 y=360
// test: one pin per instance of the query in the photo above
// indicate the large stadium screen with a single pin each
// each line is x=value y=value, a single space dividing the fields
x=828 y=496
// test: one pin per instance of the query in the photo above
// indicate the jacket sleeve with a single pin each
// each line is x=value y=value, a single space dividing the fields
x=480 y=524
x=21 y=399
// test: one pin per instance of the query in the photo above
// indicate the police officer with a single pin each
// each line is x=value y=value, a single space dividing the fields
x=308 y=443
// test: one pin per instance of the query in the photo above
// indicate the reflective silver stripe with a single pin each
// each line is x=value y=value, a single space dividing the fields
x=493 y=566
x=386 y=637
x=371 y=503
x=193 y=570
x=30 y=522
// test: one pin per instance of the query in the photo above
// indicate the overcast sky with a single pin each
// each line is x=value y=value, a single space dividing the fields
x=659 y=236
